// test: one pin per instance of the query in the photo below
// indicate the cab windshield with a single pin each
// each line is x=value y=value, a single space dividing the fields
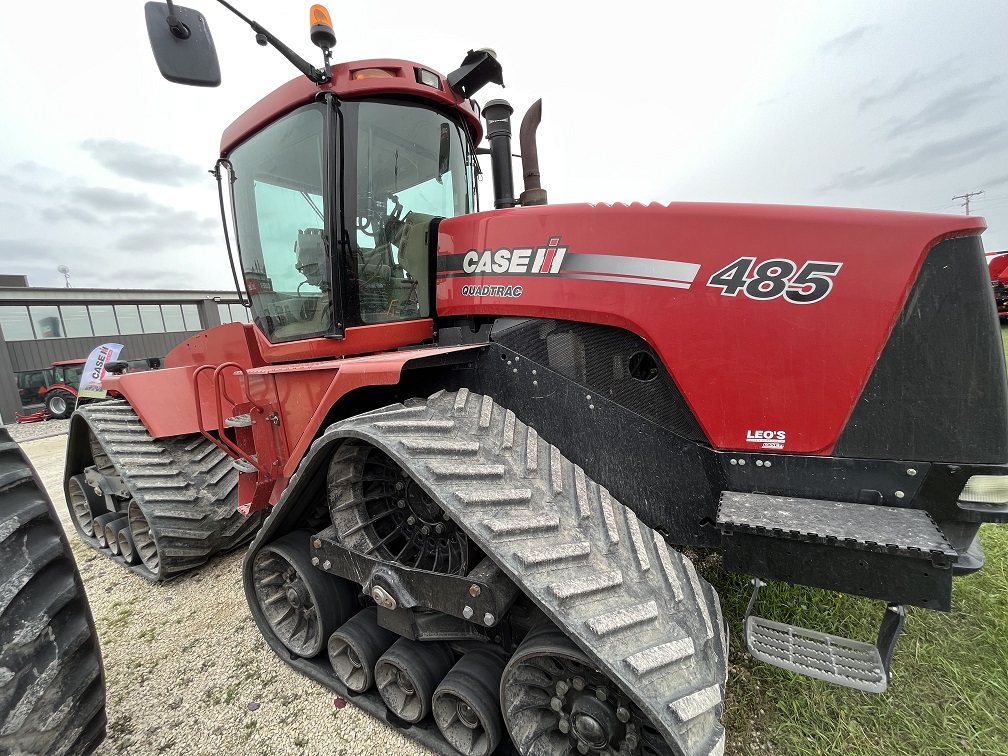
x=404 y=166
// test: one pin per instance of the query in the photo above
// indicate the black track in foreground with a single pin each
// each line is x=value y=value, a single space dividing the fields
x=179 y=494
x=52 y=688
x=630 y=608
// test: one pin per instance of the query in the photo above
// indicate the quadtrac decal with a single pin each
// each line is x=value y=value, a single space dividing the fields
x=774 y=278
x=554 y=259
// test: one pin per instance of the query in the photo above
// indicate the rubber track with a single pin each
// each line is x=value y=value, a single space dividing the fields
x=635 y=606
x=185 y=485
x=52 y=689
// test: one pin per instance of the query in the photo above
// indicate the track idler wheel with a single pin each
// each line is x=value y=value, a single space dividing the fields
x=356 y=647
x=144 y=543
x=302 y=604
x=408 y=674
x=99 y=526
x=467 y=703
x=85 y=504
x=112 y=531
x=127 y=549
x=555 y=702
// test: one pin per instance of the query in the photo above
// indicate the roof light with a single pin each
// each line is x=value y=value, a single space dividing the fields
x=986 y=489
x=428 y=78
x=372 y=73
x=322 y=34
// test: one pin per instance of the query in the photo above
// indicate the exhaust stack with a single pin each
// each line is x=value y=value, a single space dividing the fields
x=498 y=119
x=534 y=194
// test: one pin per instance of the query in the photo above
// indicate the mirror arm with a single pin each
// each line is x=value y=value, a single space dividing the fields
x=263 y=37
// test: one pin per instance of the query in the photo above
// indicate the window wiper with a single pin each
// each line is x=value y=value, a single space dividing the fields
x=314 y=207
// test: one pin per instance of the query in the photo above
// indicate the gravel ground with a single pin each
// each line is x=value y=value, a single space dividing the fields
x=22 y=432
x=186 y=668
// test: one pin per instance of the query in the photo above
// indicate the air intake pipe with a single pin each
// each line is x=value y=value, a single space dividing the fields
x=534 y=194
x=498 y=119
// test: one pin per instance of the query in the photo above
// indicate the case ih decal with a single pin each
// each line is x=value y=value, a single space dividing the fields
x=553 y=259
x=772 y=278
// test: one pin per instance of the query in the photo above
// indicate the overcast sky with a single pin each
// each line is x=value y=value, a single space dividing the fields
x=896 y=105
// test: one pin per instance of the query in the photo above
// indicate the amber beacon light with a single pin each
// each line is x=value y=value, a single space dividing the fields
x=322 y=34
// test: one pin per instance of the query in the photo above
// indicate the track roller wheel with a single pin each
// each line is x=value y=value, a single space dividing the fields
x=99 y=526
x=112 y=531
x=355 y=648
x=127 y=549
x=408 y=674
x=85 y=504
x=302 y=604
x=555 y=702
x=467 y=703
x=145 y=544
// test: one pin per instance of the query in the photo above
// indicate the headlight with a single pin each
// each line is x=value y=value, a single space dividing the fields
x=986 y=489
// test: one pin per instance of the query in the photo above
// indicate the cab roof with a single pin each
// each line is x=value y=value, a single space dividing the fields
x=299 y=91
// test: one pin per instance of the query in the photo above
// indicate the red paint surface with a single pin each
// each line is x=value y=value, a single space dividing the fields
x=741 y=364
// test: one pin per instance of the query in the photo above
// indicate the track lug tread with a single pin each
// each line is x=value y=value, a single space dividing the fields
x=635 y=606
x=184 y=485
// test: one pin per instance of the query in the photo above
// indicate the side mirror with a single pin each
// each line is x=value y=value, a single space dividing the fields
x=182 y=46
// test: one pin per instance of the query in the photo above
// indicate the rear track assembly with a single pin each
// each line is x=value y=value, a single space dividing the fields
x=174 y=498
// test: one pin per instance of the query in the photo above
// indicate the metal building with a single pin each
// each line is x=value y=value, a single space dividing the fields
x=40 y=326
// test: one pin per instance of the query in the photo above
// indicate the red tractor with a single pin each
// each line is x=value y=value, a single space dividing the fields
x=997 y=263
x=484 y=435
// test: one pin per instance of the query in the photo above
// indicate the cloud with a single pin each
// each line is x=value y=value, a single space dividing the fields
x=168 y=232
x=142 y=163
x=950 y=106
x=106 y=200
x=840 y=45
x=68 y=212
x=912 y=81
x=996 y=180
x=928 y=159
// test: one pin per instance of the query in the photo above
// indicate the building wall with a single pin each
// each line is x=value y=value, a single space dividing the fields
x=41 y=353
x=23 y=352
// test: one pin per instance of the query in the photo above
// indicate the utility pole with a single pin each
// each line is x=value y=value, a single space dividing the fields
x=966 y=197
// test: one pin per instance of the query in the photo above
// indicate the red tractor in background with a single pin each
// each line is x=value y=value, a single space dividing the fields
x=997 y=263
x=482 y=436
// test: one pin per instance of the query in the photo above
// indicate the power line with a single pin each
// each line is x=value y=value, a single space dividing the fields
x=967 y=198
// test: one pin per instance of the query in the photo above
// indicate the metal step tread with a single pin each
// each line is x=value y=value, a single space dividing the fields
x=864 y=526
x=841 y=661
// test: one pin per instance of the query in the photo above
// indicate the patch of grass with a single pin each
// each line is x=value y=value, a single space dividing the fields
x=949 y=693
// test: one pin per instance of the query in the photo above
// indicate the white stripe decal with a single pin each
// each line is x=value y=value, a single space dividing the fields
x=670 y=270
x=625 y=279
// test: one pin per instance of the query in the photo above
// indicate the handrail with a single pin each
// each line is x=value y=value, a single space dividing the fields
x=199 y=410
x=220 y=390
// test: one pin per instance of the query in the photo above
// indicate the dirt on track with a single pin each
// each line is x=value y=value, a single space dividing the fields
x=187 y=670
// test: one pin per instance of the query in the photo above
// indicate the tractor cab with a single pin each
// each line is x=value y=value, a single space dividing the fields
x=337 y=179
x=399 y=165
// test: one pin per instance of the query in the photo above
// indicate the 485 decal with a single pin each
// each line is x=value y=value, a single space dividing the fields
x=774 y=278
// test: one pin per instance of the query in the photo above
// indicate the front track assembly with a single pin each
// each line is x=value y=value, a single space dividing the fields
x=159 y=506
x=627 y=656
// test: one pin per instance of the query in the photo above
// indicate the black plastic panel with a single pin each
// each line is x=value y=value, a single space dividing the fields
x=608 y=361
x=938 y=391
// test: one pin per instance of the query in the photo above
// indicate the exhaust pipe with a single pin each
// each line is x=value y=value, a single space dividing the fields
x=498 y=119
x=534 y=194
